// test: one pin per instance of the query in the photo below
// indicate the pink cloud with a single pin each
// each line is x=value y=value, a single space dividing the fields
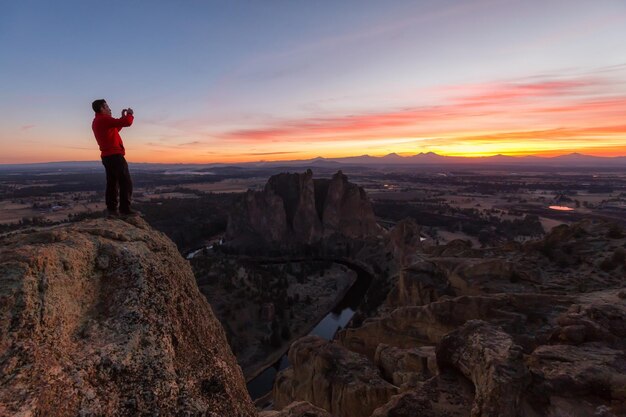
x=497 y=93
x=573 y=104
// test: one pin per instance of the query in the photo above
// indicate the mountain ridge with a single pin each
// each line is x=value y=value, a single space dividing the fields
x=573 y=159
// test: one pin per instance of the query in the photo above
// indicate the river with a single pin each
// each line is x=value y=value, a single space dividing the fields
x=335 y=320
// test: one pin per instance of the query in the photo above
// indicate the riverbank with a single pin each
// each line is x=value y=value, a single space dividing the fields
x=274 y=357
x=267 y=303
x=338 y=317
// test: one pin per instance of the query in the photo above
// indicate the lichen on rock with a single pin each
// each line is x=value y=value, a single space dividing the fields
x=103 y=317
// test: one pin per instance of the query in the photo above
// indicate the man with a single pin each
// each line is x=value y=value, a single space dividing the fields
x=106 y=130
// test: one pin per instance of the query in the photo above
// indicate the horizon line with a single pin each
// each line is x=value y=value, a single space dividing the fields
x=328 y=158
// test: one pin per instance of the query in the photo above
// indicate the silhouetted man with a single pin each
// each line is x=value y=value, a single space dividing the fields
x=106 y=130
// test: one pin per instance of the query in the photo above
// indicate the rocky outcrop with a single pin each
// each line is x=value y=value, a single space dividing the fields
x=485 y=276
x=407 y=327
x=445 y=395
x=419 y=284
x=104 y=318
x=406 y=241
x=297 y=409
x=525 y=330
x=487 y=356
x=406 y=367
x=346 y=208
x=574 y=372
x=595 y=317
x=295 y=210
x=331 y=377
x=585 y=359
x=581 y=258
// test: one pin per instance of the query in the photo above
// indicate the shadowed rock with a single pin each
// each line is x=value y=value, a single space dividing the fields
x=419 y=284
x=104 y=318
x=331 y=377
x=406 y=240
x=295 y=211
x=531 y=318
x=488 y=357
x=446 y=395
x=406 y=367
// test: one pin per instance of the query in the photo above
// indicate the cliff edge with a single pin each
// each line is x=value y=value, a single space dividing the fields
x=103 y=317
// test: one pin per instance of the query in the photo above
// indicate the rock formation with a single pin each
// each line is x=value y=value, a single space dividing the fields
x=405 y=368
x=487 y=356
x=528 y=330
x=333 y=378
x=445 y=395
x=295 y=210
x=418 y=284
x=406 y=241
x=103 y=318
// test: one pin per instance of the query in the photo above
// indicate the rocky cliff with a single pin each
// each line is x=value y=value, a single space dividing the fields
x=103 y=318
x=295 y=210
x=519 y=331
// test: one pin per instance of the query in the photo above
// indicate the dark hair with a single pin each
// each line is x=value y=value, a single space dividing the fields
x=97 y=105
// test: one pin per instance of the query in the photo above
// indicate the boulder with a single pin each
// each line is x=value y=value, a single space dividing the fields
x=331 y=377
x=584 y=377
x=103 y=317
x=487 y=356
x=595 y=317
x=446 y=395
x=406 y=367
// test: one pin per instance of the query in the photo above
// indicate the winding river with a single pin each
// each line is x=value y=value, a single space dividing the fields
x=335 y=320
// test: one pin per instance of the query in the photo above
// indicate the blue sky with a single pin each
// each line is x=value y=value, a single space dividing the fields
x=201 y=75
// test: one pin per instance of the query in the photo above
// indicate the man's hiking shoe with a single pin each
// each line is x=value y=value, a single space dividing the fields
x=112 y=214
x=129 y=213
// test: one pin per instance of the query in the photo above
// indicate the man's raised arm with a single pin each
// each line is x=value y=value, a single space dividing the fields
x=124 y=121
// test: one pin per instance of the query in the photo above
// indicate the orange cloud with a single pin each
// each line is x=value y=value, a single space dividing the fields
x=522 y=117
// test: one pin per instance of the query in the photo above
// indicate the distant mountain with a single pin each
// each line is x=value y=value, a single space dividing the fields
x=431 y=158
x=315 y=162
x=572 y=160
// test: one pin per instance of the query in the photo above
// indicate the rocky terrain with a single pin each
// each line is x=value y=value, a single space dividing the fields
x=296 y=221
x=295 y=212
x=104 y=318
x=263 y=307
x=522 y=330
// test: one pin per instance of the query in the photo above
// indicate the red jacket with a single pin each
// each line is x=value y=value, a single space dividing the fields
x=105 y=129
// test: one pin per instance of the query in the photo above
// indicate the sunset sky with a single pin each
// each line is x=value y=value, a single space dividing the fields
x=229 y=81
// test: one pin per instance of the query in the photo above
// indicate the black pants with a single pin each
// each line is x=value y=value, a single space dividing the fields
x=118 y=178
